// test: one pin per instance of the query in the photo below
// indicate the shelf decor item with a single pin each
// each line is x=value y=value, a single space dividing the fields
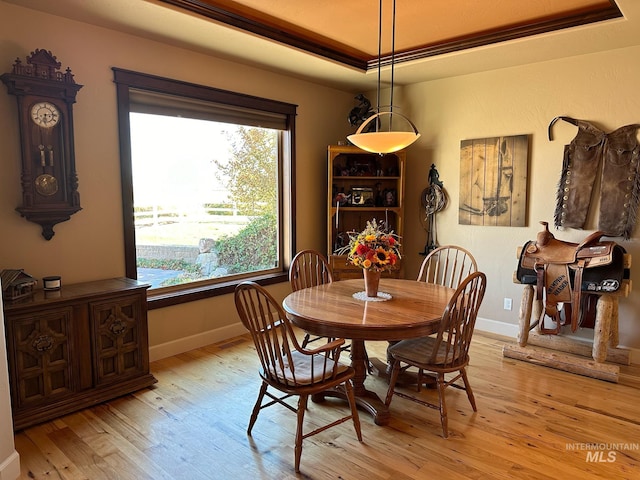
x=375 y=250
x=16 y=284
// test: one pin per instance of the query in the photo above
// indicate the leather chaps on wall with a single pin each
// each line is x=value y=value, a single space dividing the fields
x=618 y=152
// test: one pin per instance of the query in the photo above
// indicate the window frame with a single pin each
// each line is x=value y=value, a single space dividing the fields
x=126 y=80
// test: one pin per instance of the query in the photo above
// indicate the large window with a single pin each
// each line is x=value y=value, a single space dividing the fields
x=206 y=182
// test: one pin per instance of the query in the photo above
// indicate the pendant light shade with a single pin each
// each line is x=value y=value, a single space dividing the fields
x=385 y=140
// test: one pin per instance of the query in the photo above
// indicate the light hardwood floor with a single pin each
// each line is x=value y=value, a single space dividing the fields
x=532 y=423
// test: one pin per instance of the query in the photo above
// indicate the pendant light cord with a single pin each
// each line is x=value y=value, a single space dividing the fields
x=393 y=57
x=379 y=57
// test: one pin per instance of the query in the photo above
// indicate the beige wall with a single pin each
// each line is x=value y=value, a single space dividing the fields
x=520 y=100
x=90 y=245
x=602 y=88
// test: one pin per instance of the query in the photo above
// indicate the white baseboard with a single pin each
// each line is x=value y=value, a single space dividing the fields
x=498 y=328
x=192 y=342
x=10 y=467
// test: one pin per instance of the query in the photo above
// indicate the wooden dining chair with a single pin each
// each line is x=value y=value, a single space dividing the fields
x=287 y=367
x=447 y=265
x=445 y=353
x=309 y=268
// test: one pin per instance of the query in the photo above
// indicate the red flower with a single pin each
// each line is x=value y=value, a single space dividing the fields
x=361 y=249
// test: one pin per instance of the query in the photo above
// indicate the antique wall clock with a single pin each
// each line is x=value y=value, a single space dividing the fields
x=45 y=98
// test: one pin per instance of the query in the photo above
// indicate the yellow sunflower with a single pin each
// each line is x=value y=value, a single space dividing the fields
x=382 y=256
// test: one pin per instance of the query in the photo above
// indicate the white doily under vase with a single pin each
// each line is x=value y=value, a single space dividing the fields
x=382 y=297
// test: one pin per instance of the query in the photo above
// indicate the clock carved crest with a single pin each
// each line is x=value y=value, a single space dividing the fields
x=45 y=96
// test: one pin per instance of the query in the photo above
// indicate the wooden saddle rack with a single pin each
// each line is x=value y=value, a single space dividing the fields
x=565 y=273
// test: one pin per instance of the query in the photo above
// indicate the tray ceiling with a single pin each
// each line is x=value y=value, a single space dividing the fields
x=347 y=31
x=336 y=42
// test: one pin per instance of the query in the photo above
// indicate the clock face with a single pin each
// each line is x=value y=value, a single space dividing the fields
x=45 y=114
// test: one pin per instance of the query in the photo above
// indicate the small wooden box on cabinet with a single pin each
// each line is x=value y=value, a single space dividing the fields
x=76 y=347
x=362 y=186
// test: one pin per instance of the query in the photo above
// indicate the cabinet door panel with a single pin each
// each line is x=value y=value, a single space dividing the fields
x=117 y=328
x=43 y=352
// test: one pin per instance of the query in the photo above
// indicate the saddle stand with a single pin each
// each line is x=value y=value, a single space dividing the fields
x=557 y=268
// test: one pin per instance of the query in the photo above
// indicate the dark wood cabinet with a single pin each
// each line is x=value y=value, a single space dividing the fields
x=76 y=347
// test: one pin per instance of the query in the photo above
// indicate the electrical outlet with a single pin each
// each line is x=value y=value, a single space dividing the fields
x=507 y=304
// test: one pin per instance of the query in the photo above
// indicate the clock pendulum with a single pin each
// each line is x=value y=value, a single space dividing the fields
x=46 y=184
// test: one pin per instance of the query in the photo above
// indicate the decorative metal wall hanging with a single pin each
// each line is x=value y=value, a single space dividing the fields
x=433 y=199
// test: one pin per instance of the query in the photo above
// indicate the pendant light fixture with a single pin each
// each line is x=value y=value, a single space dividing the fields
x=385 y=140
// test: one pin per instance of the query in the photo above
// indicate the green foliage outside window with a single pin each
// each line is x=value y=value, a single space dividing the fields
x=251 y=174
x=252 y=249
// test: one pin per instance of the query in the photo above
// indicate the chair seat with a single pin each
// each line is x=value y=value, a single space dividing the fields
x=417 y=352
x=305 y=374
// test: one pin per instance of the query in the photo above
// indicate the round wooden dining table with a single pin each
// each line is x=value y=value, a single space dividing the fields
x=339 y=310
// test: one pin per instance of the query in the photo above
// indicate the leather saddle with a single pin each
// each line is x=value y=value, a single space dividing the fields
x=562 y=271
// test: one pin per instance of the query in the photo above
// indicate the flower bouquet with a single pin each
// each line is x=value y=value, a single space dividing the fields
x=375 y=250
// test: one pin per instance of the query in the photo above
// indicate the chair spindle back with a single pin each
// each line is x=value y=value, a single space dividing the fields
x=447 y=265
x=458 y=321
x=309 y=268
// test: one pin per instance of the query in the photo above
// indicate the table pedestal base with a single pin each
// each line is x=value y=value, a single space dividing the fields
x=365 y=400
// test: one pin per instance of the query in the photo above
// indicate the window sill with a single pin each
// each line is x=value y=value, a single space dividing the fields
x=193 y=294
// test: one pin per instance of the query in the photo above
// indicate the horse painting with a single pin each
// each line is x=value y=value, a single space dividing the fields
x=493 y=179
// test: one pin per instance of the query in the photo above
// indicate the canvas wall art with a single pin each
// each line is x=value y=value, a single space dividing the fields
x=493 y=181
